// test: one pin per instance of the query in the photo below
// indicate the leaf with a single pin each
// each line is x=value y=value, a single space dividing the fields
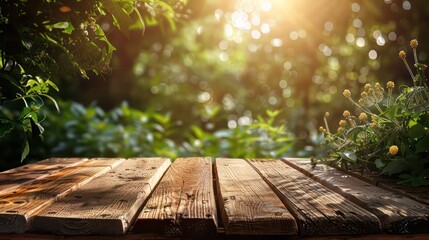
x=119 y=13
x=24 y=112
x=423 y=145
x=52 y=100
x=348 y=155
x=25 y=150
x=36 y=128
x=395 y=166
x=53 y=85
x=416 y=131
x=58 y=25
x=379 y=163
x=69 y=29
x=5 y=127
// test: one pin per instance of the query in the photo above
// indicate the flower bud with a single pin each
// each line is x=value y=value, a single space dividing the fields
x=363 y=117
x=326 y=114
x=414 y=43
x=367 y=86
x=340 y=130
x=402 y=54
x=347 y=93
x=342 y=123
x=390 y=85
x=346 y=113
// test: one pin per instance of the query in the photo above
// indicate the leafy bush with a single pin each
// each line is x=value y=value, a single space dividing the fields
x=127 y=132
x=390 y=134
x=41 y=40
x=121 y=132
x=260 y=138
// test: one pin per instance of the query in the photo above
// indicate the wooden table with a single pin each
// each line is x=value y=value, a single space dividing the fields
x=153 y=198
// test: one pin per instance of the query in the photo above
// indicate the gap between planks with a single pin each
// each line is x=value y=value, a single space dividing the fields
x=397 y=213
x=183 y=203
x=247 y=203
x=18 y=206
x=108 y=204
x=319 y=211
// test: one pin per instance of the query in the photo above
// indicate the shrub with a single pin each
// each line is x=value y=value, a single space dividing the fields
x=389 y=134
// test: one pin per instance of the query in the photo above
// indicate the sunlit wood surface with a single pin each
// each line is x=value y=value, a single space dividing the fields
x=150 y=198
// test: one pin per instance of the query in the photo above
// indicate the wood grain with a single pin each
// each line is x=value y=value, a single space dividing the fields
x=319 y=211
x=149 y=236
x=18 y=206
x=248 y=205
x=15 y=178
x=183 y=203
x=397 y=213
x=108 y=204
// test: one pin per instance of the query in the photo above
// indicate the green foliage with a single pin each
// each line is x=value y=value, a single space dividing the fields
x=43 y=39
x=396 y=139
x=261 y=138
x=127 y=132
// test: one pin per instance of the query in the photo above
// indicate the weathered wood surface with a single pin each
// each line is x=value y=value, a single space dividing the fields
x=183 y=203
x=319 y=211
x=420 y=194
x=18 y=206
x=14 y=178
x=248 y=205
x=150 y=236
x=397 y=213
x=106 y=205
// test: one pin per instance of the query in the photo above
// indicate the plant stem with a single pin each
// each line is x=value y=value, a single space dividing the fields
x=409 y=70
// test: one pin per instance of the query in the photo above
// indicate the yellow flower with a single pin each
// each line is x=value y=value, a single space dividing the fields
x=361 y=101
x=364 y=94
x=342 y=123
x=402 y=54
x=346 y=113
x=393 y=150
x=414 y=43
x=347 y=93
x=340 y=130
x=377 y=85
x=363 y=117
x=321 y=129
x=390 y=85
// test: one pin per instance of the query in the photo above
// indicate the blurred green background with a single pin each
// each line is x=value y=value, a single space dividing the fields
x=243 y=78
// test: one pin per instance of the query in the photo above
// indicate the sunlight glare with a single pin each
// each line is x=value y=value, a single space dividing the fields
x=266 y=6
x=372 y=54
x=293 y=35
x=265 y=28
x=276 y=42
x=256 y=34
x=360 y=42
x=381 y=41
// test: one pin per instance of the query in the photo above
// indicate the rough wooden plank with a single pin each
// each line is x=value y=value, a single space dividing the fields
x=420 y=194
x=183 y=203
x=18 y=206
x=319 y=211
x=398 y=214
x=248 y=205
x=15 y=178
x=149 y=236
x=108 y=204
